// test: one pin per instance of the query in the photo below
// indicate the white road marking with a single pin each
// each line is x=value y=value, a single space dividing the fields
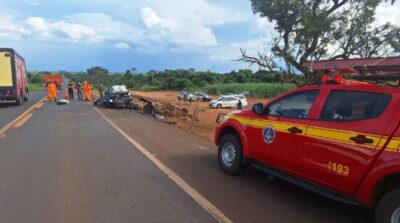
x=12 y=123
x=202 y=201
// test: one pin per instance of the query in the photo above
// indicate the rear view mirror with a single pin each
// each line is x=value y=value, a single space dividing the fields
x=258 y=108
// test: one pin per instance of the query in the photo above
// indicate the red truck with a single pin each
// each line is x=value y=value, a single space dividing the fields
x=56 y=78
x=13 y=79
x=340 y=139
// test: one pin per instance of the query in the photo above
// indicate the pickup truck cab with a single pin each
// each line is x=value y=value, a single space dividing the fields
x=339 y=140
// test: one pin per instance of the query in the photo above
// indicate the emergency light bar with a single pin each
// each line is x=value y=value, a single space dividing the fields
x=363 y=73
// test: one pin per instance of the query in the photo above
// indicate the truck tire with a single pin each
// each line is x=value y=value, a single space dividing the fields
x=26 y=95
x=18 y=100
x=388 y=209
x=230 y=155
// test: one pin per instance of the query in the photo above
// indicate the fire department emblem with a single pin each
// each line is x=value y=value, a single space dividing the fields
x=268 y=134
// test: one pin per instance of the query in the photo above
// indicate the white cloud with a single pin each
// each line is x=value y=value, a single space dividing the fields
x=151 y=20
x=231 y=51
x=122 y=46
x=186 y=34
x=32 y=2
x=85 y=28
x=387 y=12
x=161 y=25
x=8 y=29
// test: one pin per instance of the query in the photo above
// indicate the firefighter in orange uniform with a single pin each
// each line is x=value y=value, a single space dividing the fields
x=87 y=91
x=52 y=91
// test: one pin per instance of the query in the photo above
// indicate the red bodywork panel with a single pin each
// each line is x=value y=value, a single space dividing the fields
x=21 y=78
x=323 y=152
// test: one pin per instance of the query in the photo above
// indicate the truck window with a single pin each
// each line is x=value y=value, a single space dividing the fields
x=5 y=70
x=296 y=105
x=354 y=105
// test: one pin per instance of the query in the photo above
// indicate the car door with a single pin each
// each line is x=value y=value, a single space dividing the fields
x=229 y=102
x=343 y=142
x=278 y=136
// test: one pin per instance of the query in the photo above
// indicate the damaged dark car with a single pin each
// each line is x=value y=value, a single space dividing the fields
x=117 y=96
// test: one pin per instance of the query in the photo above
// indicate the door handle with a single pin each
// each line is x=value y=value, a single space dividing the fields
x=361 y=139
x=295 y=130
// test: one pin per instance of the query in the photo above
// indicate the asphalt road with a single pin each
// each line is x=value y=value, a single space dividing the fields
x=10 y=111
x=68 y=164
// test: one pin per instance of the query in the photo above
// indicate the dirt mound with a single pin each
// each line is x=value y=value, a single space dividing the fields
x=207 y=116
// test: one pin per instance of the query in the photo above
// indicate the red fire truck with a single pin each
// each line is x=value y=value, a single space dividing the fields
x=340 y=139
x=13 y=79
x=56 y=78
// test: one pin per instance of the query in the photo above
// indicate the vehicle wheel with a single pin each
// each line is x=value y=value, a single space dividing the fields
x=219 y=106
x=19 y=101
x=388 y=209
x=26 y=96
x=230 y=156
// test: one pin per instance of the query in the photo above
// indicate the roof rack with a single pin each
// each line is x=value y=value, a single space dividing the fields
x=380 y=71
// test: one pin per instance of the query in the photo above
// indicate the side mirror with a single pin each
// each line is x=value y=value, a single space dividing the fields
x=258 y=108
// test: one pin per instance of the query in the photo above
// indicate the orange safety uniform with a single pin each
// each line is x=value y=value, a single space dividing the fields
x=52 y=91
x=87 y=91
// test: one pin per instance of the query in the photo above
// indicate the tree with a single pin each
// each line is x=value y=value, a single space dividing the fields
x=97 y=74
x=320 y=29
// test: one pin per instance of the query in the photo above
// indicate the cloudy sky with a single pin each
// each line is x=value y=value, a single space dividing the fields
x=146 y=34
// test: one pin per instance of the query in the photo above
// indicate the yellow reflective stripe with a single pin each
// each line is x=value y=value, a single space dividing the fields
x=343 y=136
x=261 y=123
x=241 y=120
x=382 y=142
x=338 y=136
x=394 y=145
x=352 y=133
x=334 y=135
x=278 y=126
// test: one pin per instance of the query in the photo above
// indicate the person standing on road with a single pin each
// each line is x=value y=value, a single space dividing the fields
x=79 y=90
x=239 y=105
x=52 y=91
x=87 y=91
x=71 y=89
x=101 y=90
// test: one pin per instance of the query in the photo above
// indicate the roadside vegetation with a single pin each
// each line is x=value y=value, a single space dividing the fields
x=35 y=81
x=259 y=84
x=35 y=87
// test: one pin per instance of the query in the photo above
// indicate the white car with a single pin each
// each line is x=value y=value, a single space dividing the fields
x=228 y=101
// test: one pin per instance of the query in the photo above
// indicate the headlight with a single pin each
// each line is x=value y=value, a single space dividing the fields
x=221 y=118
x=111 y=100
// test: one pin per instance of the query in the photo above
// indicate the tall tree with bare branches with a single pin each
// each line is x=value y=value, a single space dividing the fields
x=320 y=29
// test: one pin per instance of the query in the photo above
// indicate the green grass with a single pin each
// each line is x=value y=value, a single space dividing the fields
x=259 y=90
x=35 y=86
x=148 y=88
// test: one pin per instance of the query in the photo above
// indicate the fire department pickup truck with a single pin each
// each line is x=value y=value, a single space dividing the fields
x=341 y=140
